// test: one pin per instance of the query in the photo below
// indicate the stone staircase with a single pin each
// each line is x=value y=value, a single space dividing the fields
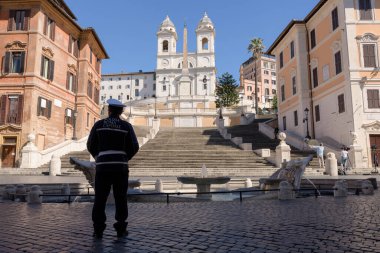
x=180 y=151
x=251 y=134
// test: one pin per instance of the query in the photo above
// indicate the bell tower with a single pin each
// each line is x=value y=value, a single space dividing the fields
x=166 y=38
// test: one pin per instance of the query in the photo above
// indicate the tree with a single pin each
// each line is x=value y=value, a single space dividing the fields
x=274 y=103
x=256 y=47
x=226 y=91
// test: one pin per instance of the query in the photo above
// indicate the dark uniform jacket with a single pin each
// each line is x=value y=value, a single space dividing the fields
x=112 y=141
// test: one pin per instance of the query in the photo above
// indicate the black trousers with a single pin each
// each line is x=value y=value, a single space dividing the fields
x=115 y=175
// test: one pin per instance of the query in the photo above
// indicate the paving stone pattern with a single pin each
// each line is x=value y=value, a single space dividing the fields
x=324 y=224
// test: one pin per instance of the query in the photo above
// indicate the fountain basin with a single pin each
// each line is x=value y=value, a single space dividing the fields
x=203 y=183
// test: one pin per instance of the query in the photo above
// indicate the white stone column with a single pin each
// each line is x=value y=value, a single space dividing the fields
x=282 y=150
x=159 y=186
x=55 y=165
x=30 y=156
x=156 y=125
x=331 y=165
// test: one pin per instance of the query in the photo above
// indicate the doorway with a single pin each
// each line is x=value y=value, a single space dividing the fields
x=374 y=141
x=8 y=156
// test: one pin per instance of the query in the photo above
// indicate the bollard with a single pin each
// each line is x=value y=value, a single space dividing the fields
x=367 y=187
x=331 y=165
x=340 y=188
x=34 y=195
x=286 y=191
x=9 y=192
x=248 y=183
x=20 y=193
x=159 y=187
x=55 y=165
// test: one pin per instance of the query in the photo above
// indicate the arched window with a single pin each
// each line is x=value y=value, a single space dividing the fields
x=205 y=44
x=165 y=46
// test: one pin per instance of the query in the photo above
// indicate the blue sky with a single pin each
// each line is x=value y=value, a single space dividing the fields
x=127 y=28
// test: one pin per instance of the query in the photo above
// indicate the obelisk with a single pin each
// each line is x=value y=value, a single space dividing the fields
x=185 y=81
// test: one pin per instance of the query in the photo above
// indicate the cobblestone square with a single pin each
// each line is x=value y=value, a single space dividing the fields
x=323 y=224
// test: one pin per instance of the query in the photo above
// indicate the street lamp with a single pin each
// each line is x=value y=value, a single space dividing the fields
x=155 y=106
x=306 y=119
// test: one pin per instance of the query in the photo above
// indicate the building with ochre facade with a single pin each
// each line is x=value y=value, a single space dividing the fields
x=50 y=76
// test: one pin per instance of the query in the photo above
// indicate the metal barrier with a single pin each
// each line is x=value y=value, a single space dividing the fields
x=315 y=190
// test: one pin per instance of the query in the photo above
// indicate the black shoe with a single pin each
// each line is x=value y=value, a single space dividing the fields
x=97 y=235
x=122 y=233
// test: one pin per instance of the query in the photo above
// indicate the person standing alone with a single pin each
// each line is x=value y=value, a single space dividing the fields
x=112 y=142
x=319 y=150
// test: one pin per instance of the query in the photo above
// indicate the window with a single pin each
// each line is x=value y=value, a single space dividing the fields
x=88 y=120
x=274 y=82
x=127 y=97
x=164 y=87
x=137 y=82
x=282 y=92
x=14 y=62
x=294 y=85
x=295 y=118
x=284 y=122
x=102 y=87
x=154 y=86
x=326 y=72
x=315 y=77
x=18 y=20
x=373 y=99
x=165 y=46
x=205 y=44
x=266 y=81
x=274 y=91
x=118 y=87
x=110 y=87
x=90 y=55
x=365 y=10
x=11 y=108
x=137 y=92
x=266 y=72
x=119 y=97
x=49 y=28
x=47 y=68
x=96 y=96
x=317 y=115
x=265 y=65
x=127 y=86
x=335 y=19
x=281 y=59
x=273 y=73
x=89 y=89
x=71 y=82
x=369 y=56
x=119 y=78
x=73 y=46
x=313 y=41
x=338 y=63
x=69 y=116
x=341 y=107
x=272 y=66
x=44 y=107
x=292 y=49
x=110 y=79
x=266 y=92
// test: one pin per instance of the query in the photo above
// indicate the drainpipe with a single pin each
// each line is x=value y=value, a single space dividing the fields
x=311 y=104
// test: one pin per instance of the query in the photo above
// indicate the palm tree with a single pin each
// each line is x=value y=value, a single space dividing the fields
x=256 y=47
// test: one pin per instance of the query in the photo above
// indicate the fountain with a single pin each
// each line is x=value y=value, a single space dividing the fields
x=88 y=169
x=203 y=182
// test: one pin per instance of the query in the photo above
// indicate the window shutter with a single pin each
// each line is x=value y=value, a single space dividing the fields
x=45 y=24
x=68 y=81
x=76 y=48
x=11 y=20
x=48 y=107
x=3 y=109
x=22 y=69
x=371 y=55
x=52 y=31
x=39 y=106
x=315 y=77
x=7 y=62
x=70 y=44
x=20 y=108
x=75 y=84
x=368 y=10
x=42 y=65
x=51 y=70
x=26 y=20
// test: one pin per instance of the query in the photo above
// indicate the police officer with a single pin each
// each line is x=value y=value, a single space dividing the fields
x=112 y=142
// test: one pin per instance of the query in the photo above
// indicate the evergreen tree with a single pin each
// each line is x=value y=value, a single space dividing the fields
x=274 y=103
x=226 y=91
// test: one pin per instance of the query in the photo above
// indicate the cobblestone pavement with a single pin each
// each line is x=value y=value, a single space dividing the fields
x=324 y=224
